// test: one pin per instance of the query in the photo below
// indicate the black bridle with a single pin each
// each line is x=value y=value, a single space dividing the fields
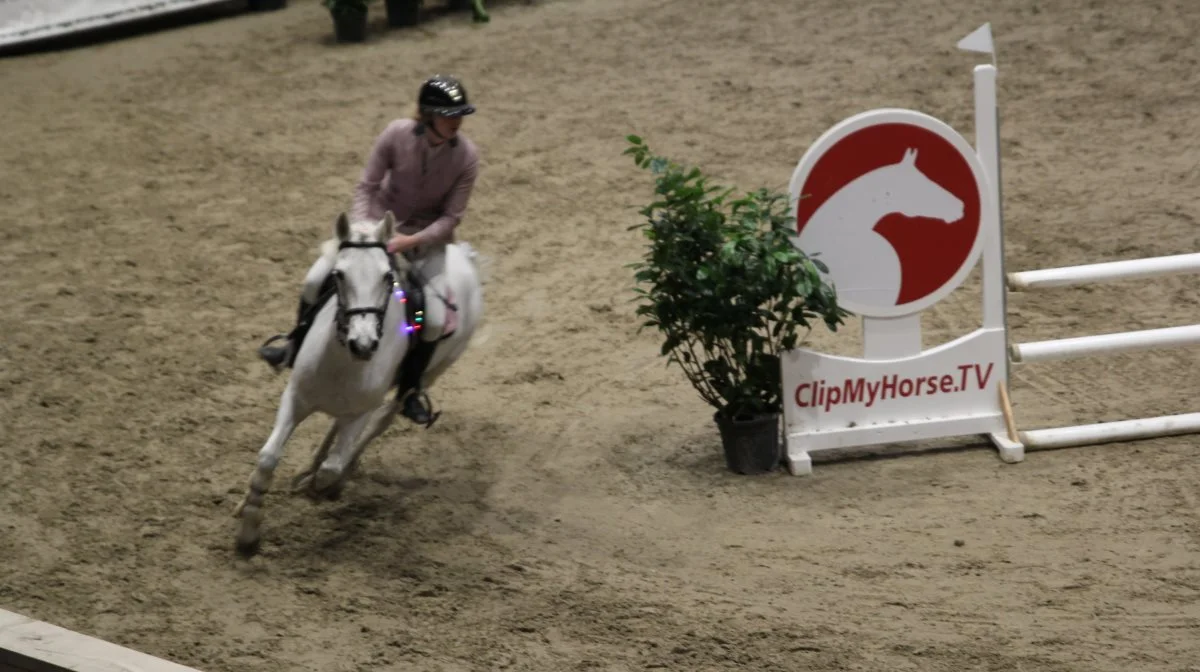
x=342 y=318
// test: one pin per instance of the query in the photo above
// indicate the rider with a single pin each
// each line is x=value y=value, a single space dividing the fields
x=423 y=170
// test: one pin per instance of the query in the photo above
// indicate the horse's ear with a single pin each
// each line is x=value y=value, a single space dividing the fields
x=342 y=227
x=388 y=226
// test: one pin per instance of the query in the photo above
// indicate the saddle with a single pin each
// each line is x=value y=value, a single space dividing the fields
x=414 y=308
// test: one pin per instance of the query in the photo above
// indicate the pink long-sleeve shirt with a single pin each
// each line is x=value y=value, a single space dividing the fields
x=425 y=186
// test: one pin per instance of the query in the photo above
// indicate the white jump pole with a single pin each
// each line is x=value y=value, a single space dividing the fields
x=28 y=645
x=1110 y=432
x=1083 y=346
x=1129 y=269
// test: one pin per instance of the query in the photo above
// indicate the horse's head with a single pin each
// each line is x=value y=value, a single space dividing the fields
x=915 y=195
x=365 y=277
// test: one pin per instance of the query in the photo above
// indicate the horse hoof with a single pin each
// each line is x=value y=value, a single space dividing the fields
x=305 y=487
x=334 y=492
x=302 y=483
x=326 y=479
x=248 y=549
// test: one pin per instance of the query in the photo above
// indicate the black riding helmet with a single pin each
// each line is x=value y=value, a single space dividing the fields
x=444 y=96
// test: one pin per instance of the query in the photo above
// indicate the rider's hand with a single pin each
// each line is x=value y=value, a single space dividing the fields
x=401 y=243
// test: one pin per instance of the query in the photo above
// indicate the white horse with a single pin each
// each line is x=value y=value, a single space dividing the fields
x=348 y=361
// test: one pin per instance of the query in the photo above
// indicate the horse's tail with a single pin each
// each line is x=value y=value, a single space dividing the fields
x=482 y=262
x=483 y=265
x=482 y=334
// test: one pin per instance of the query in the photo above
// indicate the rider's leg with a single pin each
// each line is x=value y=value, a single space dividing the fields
x=431 y=269
x=280 y=356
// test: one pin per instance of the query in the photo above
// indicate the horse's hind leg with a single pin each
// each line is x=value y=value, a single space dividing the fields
x=376 y=424
x=455 y=347
x=289 y=416
x=450 y=351
x=333 y=469
x=303 y=480
x=380 y=420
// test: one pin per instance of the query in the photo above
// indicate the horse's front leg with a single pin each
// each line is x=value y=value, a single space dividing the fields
x=290 y=414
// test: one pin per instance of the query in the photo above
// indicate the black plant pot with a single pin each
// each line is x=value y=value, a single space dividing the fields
x=752 y=445
x=350 y=26
x=403 y=12
x=266 y=5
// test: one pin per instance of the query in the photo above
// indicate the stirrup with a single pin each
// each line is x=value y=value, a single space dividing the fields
x=422 y=399
x=281 y=352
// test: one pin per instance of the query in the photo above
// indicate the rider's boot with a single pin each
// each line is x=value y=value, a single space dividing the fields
x=282 y=356
x=409 y=386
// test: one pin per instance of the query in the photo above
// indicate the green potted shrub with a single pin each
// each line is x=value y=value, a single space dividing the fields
x=349 y=19
x=729 y=292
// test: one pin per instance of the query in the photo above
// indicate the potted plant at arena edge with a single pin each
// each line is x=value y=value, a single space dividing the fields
x=729 y=292
x=349 y=19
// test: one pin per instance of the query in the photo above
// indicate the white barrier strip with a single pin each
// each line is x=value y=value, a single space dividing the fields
x=1082 y=346
x=1071 y=276
x=27 y=645
x=1110 y=432
x=31 y=20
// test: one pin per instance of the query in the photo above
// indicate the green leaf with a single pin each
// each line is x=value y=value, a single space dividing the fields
x=722 y=281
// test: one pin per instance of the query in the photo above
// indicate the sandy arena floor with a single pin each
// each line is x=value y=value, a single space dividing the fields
x=163 y=195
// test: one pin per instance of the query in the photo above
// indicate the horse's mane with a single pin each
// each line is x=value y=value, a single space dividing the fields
x=329 y=248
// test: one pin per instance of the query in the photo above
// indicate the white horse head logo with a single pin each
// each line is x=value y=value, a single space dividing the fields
x=863 y=265
x=908 y=192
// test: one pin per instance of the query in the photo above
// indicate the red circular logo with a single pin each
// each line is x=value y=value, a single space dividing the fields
x=909 y=185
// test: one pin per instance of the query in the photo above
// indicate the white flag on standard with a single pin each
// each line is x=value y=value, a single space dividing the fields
x=980 y=40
